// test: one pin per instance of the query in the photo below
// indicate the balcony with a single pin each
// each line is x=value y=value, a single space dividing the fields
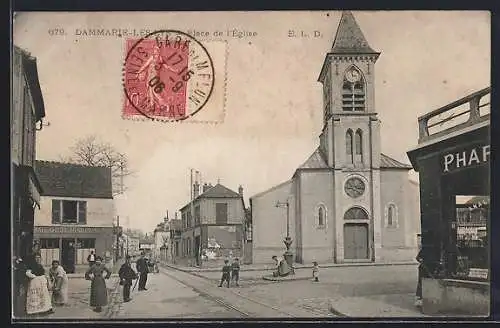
x=465 y=114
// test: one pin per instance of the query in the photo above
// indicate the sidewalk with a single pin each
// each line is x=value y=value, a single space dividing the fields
x=379 y=306
x=297 y=266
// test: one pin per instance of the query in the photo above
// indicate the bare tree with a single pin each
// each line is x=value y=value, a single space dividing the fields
x=92 y=151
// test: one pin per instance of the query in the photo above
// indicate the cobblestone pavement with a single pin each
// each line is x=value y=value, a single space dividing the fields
x=78 y=301
x=168 y=298
x=391 y=287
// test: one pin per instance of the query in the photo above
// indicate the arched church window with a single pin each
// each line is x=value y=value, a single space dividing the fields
x=355 y=213
x=392 y=220
x=321 y=216
x=358 y=140
x=353 y=91
x=348 y=145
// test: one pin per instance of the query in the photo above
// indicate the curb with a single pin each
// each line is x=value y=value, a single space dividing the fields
x=277 y=279
x=297 y=267
x=335 y=312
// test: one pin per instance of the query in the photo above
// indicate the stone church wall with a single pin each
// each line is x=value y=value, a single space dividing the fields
x=316 y=189
x=269 y=222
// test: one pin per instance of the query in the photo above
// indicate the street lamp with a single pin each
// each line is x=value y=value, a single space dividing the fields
x=288 y=255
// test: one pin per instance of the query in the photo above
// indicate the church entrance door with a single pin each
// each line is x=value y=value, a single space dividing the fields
x=356 y=241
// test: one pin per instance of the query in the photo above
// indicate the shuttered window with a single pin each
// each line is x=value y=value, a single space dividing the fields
x=56 y=211
x=82 y=212
x=221 y=213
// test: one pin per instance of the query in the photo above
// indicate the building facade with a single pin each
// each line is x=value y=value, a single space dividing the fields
x=161 y=237
x=212 y=225
x=347 y=202
x=26 y=113
x=453 y=162
x=77 y=213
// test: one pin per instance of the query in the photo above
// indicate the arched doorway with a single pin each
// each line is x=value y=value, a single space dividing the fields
x=356 y=244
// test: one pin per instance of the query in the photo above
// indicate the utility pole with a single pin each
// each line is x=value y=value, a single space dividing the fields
x=117 y=237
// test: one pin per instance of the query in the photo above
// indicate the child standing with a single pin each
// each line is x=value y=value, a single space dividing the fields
x=315 y=271
x=226 y=273
x=235 y=271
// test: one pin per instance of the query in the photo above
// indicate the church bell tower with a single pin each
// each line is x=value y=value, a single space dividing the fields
x=350 y=141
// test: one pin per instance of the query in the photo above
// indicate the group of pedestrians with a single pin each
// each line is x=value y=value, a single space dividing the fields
x=33 y=286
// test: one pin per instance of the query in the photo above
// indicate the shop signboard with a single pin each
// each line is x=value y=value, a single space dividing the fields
x=464 y=158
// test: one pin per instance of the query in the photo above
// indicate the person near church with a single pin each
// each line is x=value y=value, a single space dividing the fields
x=315 y=271
x=126 y=274
x=91 y=258
x=282 y=269
x=226 y=273
x=98 y=290
x=38 y=300
x=235 y=271
x=59 y=281
x=421 y=271
x=20 y=287
x=142 y=267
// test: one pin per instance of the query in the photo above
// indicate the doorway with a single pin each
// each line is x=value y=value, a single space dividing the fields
x=356 y=241
x=197 y=242
x=68 y=255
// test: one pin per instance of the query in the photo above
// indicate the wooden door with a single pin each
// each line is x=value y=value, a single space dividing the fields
x=355 y=241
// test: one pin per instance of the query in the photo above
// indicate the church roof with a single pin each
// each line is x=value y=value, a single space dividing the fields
x=387 y=162
x=349 y=37
x=315 y=161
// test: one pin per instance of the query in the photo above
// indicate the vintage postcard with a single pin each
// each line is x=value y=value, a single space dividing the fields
x=225 y=165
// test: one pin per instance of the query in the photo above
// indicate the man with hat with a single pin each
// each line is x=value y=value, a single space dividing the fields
x=142 y=267
x=126 y=274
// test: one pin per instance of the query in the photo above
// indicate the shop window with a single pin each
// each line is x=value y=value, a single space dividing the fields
x=348 y=146
x=49 y=250
x=472 y=238
x=84 y=247
x=69 y=212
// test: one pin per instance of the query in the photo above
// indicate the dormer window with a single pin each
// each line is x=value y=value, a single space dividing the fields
x=353 y=91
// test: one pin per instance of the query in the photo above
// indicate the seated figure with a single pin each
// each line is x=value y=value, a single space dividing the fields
x=282 y=268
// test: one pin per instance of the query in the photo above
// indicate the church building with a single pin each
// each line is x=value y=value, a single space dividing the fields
x=347 y=202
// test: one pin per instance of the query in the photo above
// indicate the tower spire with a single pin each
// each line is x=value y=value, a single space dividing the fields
x=349 y=37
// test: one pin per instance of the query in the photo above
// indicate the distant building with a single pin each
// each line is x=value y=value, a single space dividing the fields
x=218 y=214
x=131 y=245
x=26 y=112
x=161 y=238
x=77 y=212
x=347 y=202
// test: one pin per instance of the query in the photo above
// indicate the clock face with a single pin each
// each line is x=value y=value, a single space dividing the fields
x=353 y=75
x=354 y=187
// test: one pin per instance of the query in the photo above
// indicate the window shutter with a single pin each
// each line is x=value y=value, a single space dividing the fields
x=56 y=211
x=82 y=212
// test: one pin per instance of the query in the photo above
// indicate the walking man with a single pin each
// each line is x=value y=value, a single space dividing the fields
x=91 y=258
x=142 y=267
x=126 y=274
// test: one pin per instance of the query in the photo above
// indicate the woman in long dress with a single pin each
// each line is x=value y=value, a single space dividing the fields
x=59 y=281
x=98 y=290
x=38 y=297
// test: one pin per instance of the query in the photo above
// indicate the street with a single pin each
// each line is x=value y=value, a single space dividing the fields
x=175 y=294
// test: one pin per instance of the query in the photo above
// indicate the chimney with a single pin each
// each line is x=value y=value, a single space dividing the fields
x=240 y=190
x=206 y=186
x=196 y=188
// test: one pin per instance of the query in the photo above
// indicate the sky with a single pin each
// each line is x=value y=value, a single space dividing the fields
x=266 y=94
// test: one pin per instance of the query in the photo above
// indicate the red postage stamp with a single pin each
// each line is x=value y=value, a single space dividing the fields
x=168 y=75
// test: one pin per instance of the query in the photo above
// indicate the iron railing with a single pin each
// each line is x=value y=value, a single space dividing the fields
x=434 y=119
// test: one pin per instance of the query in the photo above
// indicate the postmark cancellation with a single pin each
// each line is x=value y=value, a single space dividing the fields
x=170 y=76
